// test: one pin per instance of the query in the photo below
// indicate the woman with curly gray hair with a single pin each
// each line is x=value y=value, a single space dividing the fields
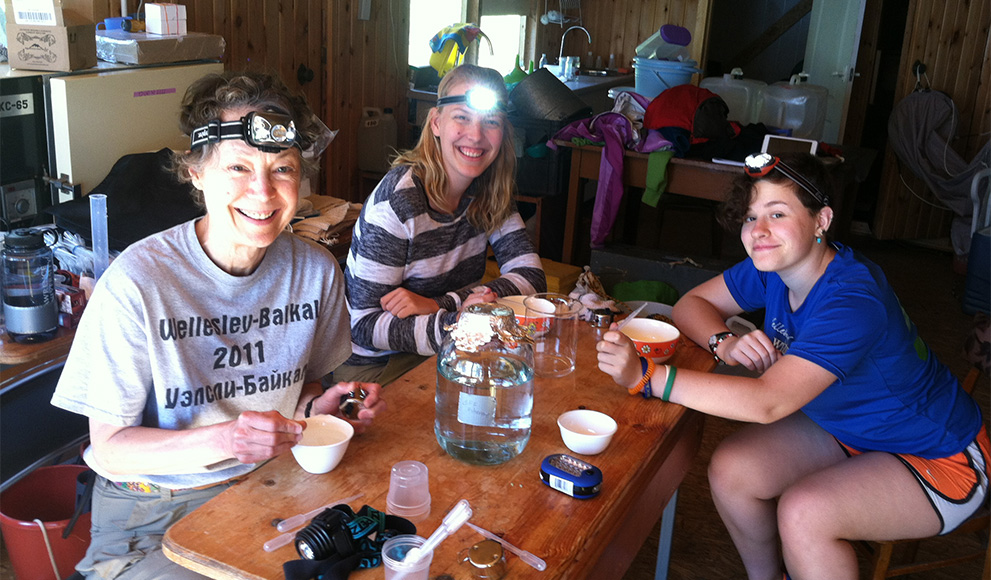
x=201 y=351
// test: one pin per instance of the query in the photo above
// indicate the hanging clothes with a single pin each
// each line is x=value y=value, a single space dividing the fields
x=920 y=129
x=617 y=131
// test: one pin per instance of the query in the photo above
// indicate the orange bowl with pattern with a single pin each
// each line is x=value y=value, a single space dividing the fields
x=653 y=338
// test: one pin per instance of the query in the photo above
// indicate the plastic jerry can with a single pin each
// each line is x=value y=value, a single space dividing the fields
x=796 y=106
x=739 y=93
x=377 y=139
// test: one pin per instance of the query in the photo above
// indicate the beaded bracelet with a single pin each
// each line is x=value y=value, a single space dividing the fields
x=669 y=384
x=647 y=367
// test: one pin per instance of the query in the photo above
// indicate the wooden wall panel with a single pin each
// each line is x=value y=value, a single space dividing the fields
x=618 y=26
x=951 y=38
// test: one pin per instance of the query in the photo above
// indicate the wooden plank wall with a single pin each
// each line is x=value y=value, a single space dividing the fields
x=362 y=63
x=951 y=38
x=618 y=26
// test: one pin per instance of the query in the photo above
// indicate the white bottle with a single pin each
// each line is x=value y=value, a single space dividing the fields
x=543 y=61
x=612 y=60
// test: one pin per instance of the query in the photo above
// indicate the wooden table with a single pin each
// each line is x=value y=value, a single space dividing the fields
x=595 y=538
x=690 y=177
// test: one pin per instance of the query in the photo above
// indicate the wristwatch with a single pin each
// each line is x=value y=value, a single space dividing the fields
x=714 y=342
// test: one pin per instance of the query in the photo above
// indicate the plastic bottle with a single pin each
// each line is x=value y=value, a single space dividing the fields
x=29 y=306
x=484 y=394
x=795 y=107
x=543 y=61
x=612 y=61
x=739 y=93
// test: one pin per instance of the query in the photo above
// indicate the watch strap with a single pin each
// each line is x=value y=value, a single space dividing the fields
x=715 y=340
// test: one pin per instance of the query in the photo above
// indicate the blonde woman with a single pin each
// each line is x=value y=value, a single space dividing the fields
x=419 y=247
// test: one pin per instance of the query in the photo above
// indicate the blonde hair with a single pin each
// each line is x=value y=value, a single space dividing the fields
x=495 y=187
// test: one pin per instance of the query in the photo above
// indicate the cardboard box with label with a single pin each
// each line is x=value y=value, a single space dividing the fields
x=167 y=19
x=51 y=35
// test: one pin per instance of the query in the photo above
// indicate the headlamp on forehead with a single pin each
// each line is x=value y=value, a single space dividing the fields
x=481 y=99
x=760 y=164
x=267 y=131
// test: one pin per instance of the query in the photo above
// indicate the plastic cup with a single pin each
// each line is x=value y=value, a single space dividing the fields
x=553 y=323
x=409 y=491
x=394 y=551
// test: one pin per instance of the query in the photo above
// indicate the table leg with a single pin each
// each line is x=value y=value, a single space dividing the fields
x=664 y=543
x=573 y=210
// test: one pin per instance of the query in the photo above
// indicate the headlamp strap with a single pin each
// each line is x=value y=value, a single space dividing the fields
x=215 y=131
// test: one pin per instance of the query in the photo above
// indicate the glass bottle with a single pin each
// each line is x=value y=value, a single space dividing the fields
x=29 y=306
x=484 y=394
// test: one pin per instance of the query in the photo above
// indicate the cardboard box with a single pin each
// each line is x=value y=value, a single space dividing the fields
x=52 y=48
x=56 y=12
x=144 y=48
x=165 y=18
x=561 y=278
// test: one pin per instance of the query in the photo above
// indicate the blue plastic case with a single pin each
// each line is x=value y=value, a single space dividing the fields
x=571 y=476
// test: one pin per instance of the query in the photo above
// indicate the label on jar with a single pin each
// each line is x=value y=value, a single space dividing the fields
x=478 y=410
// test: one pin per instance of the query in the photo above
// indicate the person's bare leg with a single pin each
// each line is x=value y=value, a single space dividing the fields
x=750 y=469
x=869 y=497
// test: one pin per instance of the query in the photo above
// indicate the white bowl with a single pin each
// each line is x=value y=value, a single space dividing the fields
x=585 y=431
x=324 y=442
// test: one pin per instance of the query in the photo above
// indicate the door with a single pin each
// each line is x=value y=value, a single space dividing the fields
x=831 y=57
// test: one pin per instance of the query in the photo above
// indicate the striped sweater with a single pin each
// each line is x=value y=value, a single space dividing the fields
x=399 y=241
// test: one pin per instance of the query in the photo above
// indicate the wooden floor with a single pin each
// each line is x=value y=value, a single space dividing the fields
x=930 y=292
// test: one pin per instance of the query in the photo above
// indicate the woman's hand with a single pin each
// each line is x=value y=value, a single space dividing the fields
x=618 y=358
x=479 y=295
x=403 y=303
x=753 y=350
x=330 y=401
x=255 y=436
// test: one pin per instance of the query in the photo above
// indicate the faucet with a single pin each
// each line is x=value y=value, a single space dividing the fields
x=560 y=54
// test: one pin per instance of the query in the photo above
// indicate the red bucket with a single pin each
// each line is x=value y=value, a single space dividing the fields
x=47 y=494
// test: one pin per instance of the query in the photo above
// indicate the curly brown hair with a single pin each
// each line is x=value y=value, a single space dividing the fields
x=208 y=97
x=734 y=208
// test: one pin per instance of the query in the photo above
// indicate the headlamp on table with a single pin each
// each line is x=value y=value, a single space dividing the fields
x=481 y=99
x=760 y=164
x=267 y=131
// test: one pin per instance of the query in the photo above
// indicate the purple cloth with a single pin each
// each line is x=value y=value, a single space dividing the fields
x=618 y=134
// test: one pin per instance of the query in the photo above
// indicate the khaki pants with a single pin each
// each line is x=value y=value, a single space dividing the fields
x=127 y=532
x=382 y=374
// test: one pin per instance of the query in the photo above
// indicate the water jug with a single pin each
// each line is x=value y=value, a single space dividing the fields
x=740 y=94
x=29 y=306
x=377 y=137
x=795 y=106
x=484 y=394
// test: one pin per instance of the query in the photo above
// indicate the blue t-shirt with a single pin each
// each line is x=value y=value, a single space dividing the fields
x=891 y=394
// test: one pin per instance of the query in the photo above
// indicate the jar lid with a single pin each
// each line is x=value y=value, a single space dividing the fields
x=24 y=239
x=485 y=554
x=483 y=322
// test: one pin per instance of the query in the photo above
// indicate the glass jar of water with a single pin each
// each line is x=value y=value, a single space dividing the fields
x=484 y=387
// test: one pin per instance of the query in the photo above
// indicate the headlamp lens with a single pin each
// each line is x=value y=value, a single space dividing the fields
x=270 y=130
x=760 y=164
x=481 y=99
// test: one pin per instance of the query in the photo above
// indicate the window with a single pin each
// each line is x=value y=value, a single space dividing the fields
x=506 y=33
x=427 y=18
x=502 y=21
